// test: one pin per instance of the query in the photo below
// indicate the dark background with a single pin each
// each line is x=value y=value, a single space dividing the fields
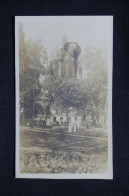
x=119 y=186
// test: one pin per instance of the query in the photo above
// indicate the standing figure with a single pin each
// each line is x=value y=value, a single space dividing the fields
x=70 y=128
x=75 y=125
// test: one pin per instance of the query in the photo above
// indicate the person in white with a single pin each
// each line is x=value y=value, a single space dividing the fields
x=70 y=128
x=75 y=125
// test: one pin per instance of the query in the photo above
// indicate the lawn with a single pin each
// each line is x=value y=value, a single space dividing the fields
x=57 y=151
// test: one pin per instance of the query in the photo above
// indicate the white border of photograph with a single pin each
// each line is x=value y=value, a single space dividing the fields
x=109 y=175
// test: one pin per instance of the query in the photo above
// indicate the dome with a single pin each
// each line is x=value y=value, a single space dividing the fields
x=73 y=49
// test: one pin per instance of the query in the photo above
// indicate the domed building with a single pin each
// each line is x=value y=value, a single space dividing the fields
x=66 y=65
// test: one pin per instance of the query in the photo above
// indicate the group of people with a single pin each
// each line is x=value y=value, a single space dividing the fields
x=72 y=126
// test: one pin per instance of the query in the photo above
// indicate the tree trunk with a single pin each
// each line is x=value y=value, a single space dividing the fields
x=66 y=116
x=46 y=118
x=85 y=120
x=97 y=118
x=33 y=99
x=93 y=120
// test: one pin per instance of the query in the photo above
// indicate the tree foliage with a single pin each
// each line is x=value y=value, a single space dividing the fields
x=95 y=62
x=32 y=61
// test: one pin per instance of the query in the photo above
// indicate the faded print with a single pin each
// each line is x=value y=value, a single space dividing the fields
x=63 y=97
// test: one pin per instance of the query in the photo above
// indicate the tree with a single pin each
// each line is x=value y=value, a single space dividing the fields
x=98 y=102
x=71 y=95
x=32 y=61
x=95 y=62
x=48 y=94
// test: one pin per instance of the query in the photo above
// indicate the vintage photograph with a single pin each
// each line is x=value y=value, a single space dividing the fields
x=64 y=97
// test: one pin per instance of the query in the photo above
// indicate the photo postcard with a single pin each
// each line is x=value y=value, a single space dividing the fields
x=64 y=97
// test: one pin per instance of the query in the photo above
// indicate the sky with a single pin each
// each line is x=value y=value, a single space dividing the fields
x=87 y=31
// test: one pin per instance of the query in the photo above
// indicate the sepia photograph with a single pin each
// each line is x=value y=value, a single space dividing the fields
x=63 y=79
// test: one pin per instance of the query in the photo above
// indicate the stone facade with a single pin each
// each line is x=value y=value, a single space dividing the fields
x=66 y=65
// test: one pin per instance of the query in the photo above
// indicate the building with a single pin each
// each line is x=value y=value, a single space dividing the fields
x=66 y=64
